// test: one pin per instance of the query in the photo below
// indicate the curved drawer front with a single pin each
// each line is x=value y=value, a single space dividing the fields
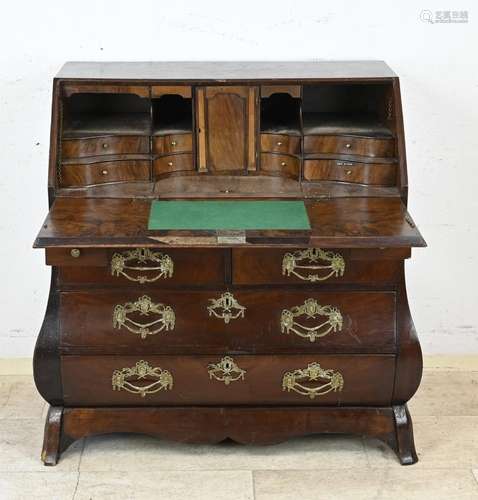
x=375 y=174
x=105 y=145
x=363 y=146
x=76 y=175
x=280 y=143
x=138 y=267
x=219 y=380
x=173 y=143
x=168 y=321
x=173 y=163
x=310 y=266
x=280 y=164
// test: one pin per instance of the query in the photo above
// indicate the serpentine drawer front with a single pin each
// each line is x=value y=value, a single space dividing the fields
x=181 y=305
x=244 y=320
x=189 y=380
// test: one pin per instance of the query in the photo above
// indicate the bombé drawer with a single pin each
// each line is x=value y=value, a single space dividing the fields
x=224 y=380
x=248 y=321
x=352 y=145
x=138 y=267
x=280 y=143
x=89 y=174
x=315 y=266
x=105 y=145
x=174 y=143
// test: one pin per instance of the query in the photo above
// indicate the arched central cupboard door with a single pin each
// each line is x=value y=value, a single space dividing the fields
x=227 y=128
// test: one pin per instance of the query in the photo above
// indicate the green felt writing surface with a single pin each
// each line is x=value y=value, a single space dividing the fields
x=228 y=215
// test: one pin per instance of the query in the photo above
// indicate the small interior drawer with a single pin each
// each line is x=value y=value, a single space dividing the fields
x=173 y=163
x=89 y=174
x=174 y=143
x=377 y=174
x=280 y=143
x=352 y=145
x=105 y=145
x=284 y=165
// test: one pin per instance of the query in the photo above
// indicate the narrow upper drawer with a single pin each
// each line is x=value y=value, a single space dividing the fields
x=138 y=266
x=184 y=380
x=280 y=164
x=280 y=143
x=314 y=266
x=173 y=163
x=105 y=145
x=174 y=143
x=362 y=146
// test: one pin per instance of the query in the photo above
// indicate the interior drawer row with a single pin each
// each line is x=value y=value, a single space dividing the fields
x=224 y=380
x=219 y=320
x=215 y=266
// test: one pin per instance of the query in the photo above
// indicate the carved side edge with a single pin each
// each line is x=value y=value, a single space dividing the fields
x=46 y=357
x=409 y=364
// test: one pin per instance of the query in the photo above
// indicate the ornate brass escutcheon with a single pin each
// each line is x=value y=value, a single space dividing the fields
x=311 y=309
x=331 y=381
x=226 y=307
x=144 y=306
x=313 y=259
x=122 y=262
x=226 y=371
x=162 y=379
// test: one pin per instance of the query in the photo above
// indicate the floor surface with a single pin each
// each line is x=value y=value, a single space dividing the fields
x=445 y=417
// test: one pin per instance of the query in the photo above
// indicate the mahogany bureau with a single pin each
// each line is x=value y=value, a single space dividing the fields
x=201 y=335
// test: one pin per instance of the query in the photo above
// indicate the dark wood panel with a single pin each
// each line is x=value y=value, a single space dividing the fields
x=367 y=380
x=262 y=266
x=367 y=321
x=288 y=166
x=292 y=90
x=182 y=90
x=341 y=222
x=106 y=145
x=73 y=175
x=379 y=174
x=280 y=143
x=361 y=146
x=104 y=88
x=174 y=143
x=182 y=162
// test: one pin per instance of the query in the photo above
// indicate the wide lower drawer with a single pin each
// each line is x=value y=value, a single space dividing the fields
x=248 y=321
x=89 y=174
x=105 y=145
x=363 y=146
x=138 y=267
x=225 y=380
x=315 y=266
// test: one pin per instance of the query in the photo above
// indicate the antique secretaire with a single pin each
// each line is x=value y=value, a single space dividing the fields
x=227 y=245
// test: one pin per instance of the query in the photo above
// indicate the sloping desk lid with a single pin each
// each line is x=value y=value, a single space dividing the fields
x=335 y=223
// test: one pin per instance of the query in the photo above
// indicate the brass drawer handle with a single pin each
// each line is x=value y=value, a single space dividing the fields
x=226 y=307
x=309 y=260
x=226 y=371
x=161 y=262
x=311 y=309
x=330 y=380
x=279 y=143
x=144 y=306
x=173 y=143
x=162 y=379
